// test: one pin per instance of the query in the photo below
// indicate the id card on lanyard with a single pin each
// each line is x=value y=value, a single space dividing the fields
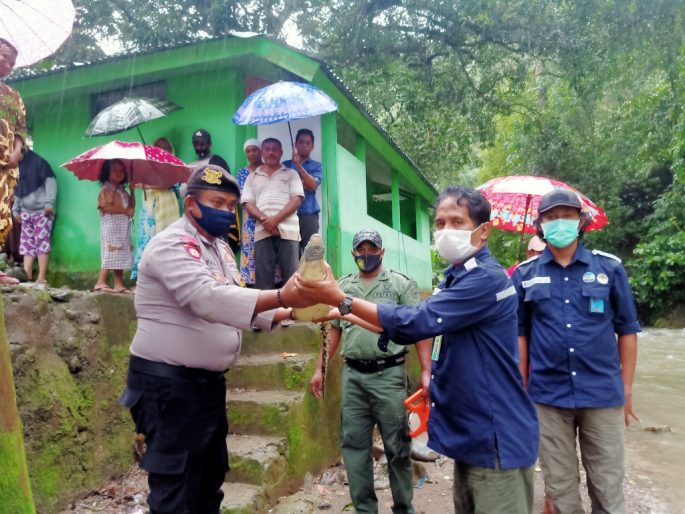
x=437 y=340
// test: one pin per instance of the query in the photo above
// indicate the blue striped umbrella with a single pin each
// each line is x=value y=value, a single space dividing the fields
x=283 y=101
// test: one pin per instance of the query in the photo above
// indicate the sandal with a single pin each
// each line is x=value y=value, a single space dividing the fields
x=102 y=289
x=125 y=290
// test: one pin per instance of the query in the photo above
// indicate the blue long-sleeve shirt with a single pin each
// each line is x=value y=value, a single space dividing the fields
x=481 y=415
x=309 y=204
x=571 y=317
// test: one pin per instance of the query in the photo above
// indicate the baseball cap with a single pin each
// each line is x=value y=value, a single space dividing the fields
x=212 y=177
x=559 y=197
x=202 y=135
x=371 y=236
x=536 y=244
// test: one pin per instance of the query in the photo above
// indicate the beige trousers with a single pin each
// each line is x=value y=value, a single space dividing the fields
x=600 y=436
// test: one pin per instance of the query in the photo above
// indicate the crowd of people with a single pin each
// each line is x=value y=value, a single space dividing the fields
x=514 y=368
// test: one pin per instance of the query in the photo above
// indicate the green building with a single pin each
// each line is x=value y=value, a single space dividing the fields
x=368 y=182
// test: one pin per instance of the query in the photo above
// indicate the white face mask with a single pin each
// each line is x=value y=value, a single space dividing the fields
x=455 y=245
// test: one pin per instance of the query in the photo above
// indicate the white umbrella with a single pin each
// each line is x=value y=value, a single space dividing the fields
x=36 y=28
x=128 y=113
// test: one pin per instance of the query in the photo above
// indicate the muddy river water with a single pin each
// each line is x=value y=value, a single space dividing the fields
x=657 y=459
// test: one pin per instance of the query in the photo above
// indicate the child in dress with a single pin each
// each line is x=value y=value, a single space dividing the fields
x=116 y=210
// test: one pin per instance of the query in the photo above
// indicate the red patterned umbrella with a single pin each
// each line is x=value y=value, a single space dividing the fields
x=514 y=202
x=145 y=164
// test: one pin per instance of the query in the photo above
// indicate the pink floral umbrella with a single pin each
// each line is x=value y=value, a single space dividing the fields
x=145 y=164
x=514 y=202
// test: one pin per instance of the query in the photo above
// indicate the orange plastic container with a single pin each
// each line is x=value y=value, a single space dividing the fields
x=418 y=407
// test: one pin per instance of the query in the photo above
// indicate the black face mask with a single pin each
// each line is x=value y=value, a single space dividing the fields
x=215 y=222
x=367 y=262
x=202 y=152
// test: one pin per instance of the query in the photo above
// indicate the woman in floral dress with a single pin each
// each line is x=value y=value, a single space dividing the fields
x=253 y=153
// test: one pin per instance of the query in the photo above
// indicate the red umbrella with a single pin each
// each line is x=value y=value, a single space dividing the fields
x=145 y=164
x=514 y=202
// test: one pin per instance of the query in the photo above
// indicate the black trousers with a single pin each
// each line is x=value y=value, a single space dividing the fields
x=309 y=225
x=185 y=427
x=271 y=252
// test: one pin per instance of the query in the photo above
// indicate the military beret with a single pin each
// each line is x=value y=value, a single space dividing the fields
x=371 y=236
x=214 y=178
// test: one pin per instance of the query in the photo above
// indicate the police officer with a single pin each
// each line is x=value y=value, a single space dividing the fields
x=573 y=303
x=481 y=415
x=191 y=312
x=374 y=381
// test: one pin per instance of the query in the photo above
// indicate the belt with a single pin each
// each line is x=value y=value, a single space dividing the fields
x=160 y=369
x=374 y=366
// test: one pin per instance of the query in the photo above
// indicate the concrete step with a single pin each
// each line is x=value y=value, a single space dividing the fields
x=298 y=338
x=261 y=412
x=242 y=498
x=255 y=459
x=290 y=371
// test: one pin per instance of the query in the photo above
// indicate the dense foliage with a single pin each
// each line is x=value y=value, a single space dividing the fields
x=590 y=92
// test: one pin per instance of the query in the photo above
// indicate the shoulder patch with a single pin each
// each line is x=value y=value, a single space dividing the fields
x=401 y=275
x=528 y=261
x=189 y=240
x=605 y=254
x=193 y=251
x=472 y=263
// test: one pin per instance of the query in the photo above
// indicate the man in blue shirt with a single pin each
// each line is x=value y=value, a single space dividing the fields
x=481 y=415
x=311 y=174
x=572 y=304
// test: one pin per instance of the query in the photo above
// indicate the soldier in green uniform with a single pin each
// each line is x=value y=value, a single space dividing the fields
x=374 y=382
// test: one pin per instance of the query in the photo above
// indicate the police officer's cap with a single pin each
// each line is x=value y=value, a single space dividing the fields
x=371 y=236
x=214 y=178
x=202 y=135
x=558 y=197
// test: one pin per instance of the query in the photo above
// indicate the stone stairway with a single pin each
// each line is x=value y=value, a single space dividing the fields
x=277 y=432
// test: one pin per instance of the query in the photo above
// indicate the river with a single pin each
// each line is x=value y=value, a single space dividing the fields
x=657 y=459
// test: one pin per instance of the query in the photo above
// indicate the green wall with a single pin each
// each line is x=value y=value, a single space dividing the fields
x=208 y=100
x=207 y=81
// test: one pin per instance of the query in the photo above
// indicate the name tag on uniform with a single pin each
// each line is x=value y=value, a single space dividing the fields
x=437 y=343
x=596 y=305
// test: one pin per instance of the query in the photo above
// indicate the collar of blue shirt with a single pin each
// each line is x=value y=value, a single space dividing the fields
x=582 y=254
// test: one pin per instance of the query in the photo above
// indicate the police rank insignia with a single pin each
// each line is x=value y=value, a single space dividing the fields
x=588 y=277
x=602 y=278
x=211 y=176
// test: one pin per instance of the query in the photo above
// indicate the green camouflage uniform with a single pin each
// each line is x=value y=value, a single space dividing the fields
x=375 y=398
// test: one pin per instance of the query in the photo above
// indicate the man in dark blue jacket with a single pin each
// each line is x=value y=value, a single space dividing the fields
x=481 y=415
x=573 y=303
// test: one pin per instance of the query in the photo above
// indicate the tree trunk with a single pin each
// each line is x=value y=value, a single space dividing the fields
x=15 y=489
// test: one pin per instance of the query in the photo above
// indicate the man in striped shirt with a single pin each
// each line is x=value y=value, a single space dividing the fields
x=272 y=195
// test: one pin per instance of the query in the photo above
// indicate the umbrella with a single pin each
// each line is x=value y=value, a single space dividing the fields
x=128 y=113
x=148 y=164
x=514 y=202
x=283 y=101
x=36 y=28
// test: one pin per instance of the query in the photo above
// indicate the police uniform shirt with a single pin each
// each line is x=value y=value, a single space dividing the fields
x=388 y=287
x=571 y=317
x=481 y=414
x=189 y=302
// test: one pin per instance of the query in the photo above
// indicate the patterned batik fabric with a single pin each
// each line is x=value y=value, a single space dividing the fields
x=36 y=228
x=12 y=122
x=247 y=234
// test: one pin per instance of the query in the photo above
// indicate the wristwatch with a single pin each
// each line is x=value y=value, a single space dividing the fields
x=345 y=306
